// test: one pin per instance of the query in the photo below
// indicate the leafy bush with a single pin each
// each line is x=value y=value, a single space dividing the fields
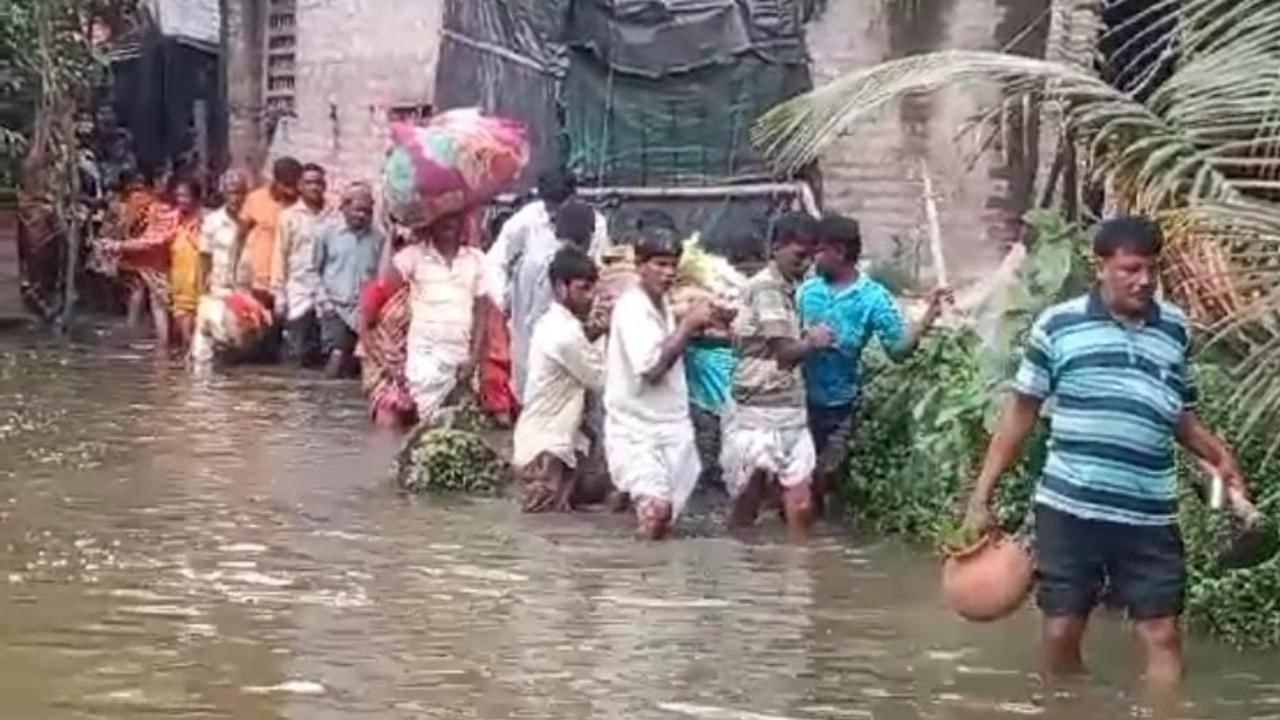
x=1240 y=606
x=925 y=424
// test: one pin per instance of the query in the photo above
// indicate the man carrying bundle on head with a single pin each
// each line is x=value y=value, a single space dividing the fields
x=564 y=365
x=649 y=439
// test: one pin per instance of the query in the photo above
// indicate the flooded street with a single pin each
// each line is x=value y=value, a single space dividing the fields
x=233 y=548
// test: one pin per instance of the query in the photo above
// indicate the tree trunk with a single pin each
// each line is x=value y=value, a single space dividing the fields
x=244 y=38
x=1075 y=27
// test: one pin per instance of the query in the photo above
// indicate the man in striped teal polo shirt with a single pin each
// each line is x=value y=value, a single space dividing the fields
x=1113 y=372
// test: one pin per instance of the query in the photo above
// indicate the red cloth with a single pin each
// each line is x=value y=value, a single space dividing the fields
x=372 y=298
x=495 y=368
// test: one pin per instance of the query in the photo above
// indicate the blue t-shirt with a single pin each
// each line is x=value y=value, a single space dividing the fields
x=709 y=366
x=855 y=314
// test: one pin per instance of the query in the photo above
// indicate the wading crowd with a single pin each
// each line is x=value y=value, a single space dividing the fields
x=759 y=396
x=574 y=335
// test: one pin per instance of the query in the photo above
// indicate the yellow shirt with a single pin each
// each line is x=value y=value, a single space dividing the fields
x=184 y=267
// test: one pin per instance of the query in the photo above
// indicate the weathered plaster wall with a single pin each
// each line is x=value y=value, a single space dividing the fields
x=356 y=60
x=874 y=172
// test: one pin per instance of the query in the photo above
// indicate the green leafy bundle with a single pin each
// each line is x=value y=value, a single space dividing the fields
x=447 y=460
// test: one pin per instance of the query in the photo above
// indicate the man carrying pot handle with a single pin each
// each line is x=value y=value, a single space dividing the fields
x=1115 y=366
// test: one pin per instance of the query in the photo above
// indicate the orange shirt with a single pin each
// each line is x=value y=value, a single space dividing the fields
x=263 y=210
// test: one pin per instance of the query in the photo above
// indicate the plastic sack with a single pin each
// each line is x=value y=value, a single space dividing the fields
x=706 y=278
x=710 y=272
x=459 y=160
x=229 y=325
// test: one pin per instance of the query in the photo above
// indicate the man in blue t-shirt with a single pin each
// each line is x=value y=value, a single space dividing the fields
x=855 y=308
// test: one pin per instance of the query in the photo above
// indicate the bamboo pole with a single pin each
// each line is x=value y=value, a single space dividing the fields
x=935 y=225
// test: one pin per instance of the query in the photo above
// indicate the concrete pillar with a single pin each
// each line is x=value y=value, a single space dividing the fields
x=244 y=29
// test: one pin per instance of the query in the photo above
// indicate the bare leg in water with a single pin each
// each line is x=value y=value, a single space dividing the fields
x=184 y=326
x=1161 y=643
x=1062 y=639
x=160 y=318
x=136 y=306
x=746 y=507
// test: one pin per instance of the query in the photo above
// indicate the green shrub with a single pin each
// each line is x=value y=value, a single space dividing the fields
x=1240 y=606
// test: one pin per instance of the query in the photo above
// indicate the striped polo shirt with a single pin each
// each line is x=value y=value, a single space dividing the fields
x=1115 y=392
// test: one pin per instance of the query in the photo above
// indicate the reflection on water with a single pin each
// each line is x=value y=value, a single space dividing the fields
x=231 y=548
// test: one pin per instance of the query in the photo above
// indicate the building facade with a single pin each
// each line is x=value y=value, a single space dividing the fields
x=329 y=74
x=875 y=172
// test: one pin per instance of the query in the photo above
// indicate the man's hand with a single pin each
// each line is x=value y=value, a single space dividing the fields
x=939 y=298
x=1230 y=473
x=698 y=318
x=979 y=519
x=819 y=337
x=597 y=323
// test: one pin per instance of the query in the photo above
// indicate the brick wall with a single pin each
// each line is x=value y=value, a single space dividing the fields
x=874 y=172
x=356 y=60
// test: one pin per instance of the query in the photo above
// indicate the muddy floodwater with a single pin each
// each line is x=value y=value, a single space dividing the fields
x=233 y=548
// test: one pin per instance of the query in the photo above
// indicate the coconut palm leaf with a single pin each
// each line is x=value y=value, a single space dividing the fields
x=1193 y=141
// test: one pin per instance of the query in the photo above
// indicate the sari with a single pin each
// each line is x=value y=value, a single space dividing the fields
x=384 y=351
x=148 y=269
x=495 y=395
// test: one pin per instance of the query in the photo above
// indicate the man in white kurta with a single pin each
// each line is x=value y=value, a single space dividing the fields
x=649 y=439
x=564 y=365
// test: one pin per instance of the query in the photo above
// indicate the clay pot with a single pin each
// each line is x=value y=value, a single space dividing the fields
x=989 y=580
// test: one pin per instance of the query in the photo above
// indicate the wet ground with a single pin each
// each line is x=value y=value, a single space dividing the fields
x=233 y=548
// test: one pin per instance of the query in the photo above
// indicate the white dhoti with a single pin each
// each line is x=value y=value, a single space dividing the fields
x=660 y=464
x=766 y=439
x=431 y=377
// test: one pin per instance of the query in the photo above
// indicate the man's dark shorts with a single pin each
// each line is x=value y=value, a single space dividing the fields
x=832 y=429
x=1078 y=559
x=336 y=335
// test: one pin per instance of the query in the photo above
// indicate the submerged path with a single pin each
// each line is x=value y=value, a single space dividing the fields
x=232 y=548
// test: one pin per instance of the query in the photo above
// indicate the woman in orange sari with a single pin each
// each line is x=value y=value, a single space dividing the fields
x=185 y=266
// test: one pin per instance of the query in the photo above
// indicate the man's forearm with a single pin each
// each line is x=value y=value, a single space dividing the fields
x=1017 y=421
x=791 y=353
x=672 y=349
x=1197 y=439
x=915 y=333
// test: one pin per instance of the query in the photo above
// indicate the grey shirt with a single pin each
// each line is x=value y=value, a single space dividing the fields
x=344 y=261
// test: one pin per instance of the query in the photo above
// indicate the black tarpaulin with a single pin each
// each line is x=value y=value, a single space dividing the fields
x=652 y=92
x=656 y=38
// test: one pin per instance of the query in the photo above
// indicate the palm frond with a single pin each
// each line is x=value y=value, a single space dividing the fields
x=1191 y=137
